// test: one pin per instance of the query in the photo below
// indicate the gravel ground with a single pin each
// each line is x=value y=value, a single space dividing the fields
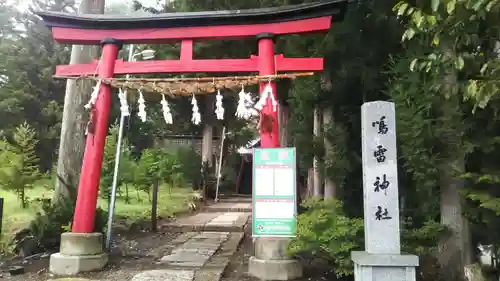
x=130 y=254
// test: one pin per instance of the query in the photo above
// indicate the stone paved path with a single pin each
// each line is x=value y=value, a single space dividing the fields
x=204 y=249
x=230 y=207
x=211 y=221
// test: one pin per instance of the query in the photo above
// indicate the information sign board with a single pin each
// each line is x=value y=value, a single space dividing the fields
x=274 y=192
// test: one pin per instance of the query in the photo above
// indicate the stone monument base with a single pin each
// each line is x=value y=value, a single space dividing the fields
x=79 y=252
x=384 y=267
x=270 y=261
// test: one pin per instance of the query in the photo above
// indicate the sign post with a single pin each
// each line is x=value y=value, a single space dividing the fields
x=274 y=192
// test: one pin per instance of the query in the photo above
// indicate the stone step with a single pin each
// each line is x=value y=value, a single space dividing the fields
x=225 y=206
x=213 y=221
x=196 y=257
x=237 y=199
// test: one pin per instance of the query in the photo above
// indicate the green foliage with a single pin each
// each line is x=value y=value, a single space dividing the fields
x=108 y=163
x=337 y=160
x=28 y=56
x=190 y=164
x=127 y=172
x=459 y=34
x=19 y=162
x=146 y=171
x=54 y=219
x=325 y=232
x=178 y=167
x=422 y=241
x=174 y=168
x=483 y=209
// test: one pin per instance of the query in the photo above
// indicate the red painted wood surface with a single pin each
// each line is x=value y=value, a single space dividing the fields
x=90 y=176
x=269 y=127
x=193 y=66
x=162 y=35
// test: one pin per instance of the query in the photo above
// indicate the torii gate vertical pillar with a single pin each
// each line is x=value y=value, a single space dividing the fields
x=88 y=187
x=269 y=126
x=82 y=250
x=270 y=261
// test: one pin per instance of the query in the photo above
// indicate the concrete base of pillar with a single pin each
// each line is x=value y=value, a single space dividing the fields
x=270 y=261
x=274 y=269
x=384 y=267
x=79 y=252
x=72 y=265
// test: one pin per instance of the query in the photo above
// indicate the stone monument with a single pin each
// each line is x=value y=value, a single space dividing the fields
x=382 y=259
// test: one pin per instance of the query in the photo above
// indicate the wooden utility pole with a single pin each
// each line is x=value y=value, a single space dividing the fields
x=75 y=117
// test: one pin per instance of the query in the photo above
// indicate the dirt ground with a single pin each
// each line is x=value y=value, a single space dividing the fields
x=139 y=249
x=238 y=268
x=130 y=254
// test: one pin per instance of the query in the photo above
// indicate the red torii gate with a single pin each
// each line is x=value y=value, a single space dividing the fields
x=111 y=32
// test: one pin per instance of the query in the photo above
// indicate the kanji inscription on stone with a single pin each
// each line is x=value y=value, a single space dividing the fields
x=380 y=178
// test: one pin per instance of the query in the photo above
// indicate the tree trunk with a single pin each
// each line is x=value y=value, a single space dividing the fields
x=208 y=130
x=127 y=198
x=75 y=117
x=23 y=197
x=283 y=116
x=308 y=192
x=455 y=251
x=330 y=187
x=206 y=145
x=317 y=182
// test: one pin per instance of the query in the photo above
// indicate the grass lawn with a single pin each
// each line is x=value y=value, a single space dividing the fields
x=169 y=202
x=15 y=218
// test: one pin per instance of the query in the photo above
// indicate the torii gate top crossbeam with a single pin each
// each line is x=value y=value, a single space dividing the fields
x=213 y=25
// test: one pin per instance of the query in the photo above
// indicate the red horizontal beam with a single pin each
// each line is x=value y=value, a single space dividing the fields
x=193 y=66
x=161 y=35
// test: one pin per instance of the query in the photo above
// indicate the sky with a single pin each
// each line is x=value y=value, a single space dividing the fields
x=23 y=4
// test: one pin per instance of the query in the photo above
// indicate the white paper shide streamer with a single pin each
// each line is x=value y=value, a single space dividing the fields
x=196 y=119
x=244 y=109
x=219 y=109
x=122 y=95
x=266 y=94
x=166 y=111
x=93 y=96
x=142 y=107
x=241 y=109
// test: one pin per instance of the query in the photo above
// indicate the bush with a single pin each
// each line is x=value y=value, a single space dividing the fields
x=325 y=232
x=19 y=163
x=44 y=232
x=190 y=163
x=422 y=240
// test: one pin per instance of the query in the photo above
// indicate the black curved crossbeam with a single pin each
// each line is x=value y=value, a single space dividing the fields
x=334 y=8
